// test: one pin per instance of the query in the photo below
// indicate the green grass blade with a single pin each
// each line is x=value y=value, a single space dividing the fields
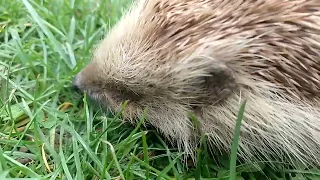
x=145 y=153
x=84 y=144
x=115 y=158
x=71 y=30
x=57 y=46
x=62 y=157
x=77 y=159
x=235 y=142
x=3 y=174
x=149 y=167
x=24 y=168
x=167 y=169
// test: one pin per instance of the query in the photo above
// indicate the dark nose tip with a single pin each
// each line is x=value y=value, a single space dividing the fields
x=74 y=86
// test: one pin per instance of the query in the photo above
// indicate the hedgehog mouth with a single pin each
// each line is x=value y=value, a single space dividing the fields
x=108 y=96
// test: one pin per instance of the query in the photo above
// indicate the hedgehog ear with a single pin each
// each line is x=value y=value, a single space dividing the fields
x=219 y=83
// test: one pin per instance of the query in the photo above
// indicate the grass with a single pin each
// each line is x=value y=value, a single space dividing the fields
x=49 y=132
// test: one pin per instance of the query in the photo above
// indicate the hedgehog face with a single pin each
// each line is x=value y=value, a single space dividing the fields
x=112 y=78
x=142 y=61
x=99 y=82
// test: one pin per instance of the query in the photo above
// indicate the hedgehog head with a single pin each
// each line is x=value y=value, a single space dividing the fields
x=149 y=60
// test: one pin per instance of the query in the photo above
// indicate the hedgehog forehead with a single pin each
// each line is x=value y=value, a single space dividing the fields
x=136 y=49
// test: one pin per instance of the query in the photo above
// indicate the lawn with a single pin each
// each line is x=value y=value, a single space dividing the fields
x=47 y=131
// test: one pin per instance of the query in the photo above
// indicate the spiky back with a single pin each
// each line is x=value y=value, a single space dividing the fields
x=277 y=41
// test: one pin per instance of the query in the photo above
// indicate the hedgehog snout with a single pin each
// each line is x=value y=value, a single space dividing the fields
x=75 y=85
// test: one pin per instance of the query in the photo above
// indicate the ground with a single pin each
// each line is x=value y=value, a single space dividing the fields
x=47 y=131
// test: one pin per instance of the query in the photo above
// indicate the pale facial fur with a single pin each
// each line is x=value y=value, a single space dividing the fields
x=179 y=56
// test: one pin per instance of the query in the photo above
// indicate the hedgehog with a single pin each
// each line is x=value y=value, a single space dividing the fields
x=176 y=57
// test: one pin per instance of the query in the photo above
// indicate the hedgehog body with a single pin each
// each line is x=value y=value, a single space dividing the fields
x=179 y=56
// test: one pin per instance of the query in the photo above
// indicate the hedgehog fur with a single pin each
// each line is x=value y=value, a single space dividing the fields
x=206 y=57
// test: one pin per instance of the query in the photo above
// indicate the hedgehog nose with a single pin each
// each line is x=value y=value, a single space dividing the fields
x=75 y=86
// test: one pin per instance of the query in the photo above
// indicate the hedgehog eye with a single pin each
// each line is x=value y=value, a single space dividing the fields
x=150 y=86
x=130 y=95
x=123 y=93
x=219 y=84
